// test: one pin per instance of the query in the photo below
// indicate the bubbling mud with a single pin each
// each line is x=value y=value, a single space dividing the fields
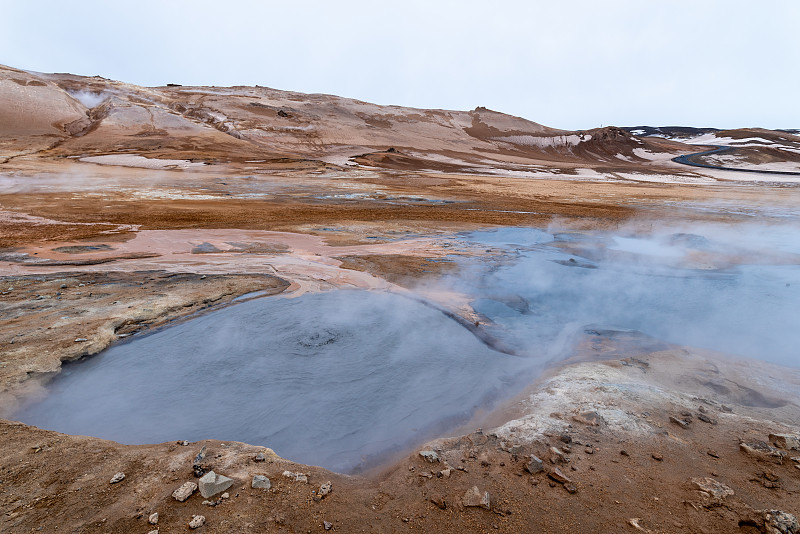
x=336 y=379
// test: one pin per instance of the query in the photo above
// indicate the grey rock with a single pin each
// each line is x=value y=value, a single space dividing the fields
x=153 y=531
x=327 y=524
x=474 y=498
x=779 y=522
x=297 y=477
x=261 y=482
x=200 y=456
x=197 y=521
x=535 y=465
x=153 y=519
x=712 y=487
x=762 y=451
x=212 y=483
x=706 y=419
x=429 y=456
x=785 y=441
x=260 y=457
x=680 y=422
x=119 y=477
x=185 y=491
x=81 y=340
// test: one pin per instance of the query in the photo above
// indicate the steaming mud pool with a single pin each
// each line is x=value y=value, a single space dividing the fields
x=343 y=379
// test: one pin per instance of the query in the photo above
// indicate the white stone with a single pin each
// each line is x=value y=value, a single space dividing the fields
x=185 y=491
x=197 y=521
x=260 y=481
x=212 y=483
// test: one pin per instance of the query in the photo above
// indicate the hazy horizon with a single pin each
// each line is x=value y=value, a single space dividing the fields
x=575 y=66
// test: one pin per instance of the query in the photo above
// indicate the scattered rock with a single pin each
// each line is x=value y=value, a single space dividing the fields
x=225 y=495
x=623 y=452
x=260 y=457
x=571 y=488
x=119 y=477
x=535 y=465
x=706 y=419
x=712 y=453
x=153 y=519
x=589 y=450
x=212 y=483
x=200 y=456
x=153 y=531
x=197 y=521
x=81 y=340
x=429 y=456
x=557 y=456
x=558 y=476
x=762 y=450
x=325 y=489
x=657 y=457
x=261 y=482
x=444 y=473
x=474 y=498
x=297 y=477
x=712 y=487
x=185 y=491
x=785 y=441
x=327 y=525
x=680 y=422
x=779 y=522
x=634 y=522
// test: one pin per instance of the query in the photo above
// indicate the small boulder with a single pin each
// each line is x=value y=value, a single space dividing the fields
x=535 y=465
x=680 y=422
x=779 y=522
x=429 y=456
x=325 y=489
x=119 y=477
x=185 y=491
x=557 y=456
x=197 y=521
x=261 y=482
x=785 y=441
x=762 y=450
x=474 y=498
x=558 y=476
x=297 y=477
x=712 y=487
x=212 y=483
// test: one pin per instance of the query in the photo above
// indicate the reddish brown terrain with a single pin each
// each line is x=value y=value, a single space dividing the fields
x=127 y=208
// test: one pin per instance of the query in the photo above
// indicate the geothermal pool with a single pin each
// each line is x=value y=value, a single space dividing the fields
x=343 y=379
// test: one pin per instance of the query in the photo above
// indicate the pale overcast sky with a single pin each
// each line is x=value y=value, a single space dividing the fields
x=567 y=64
